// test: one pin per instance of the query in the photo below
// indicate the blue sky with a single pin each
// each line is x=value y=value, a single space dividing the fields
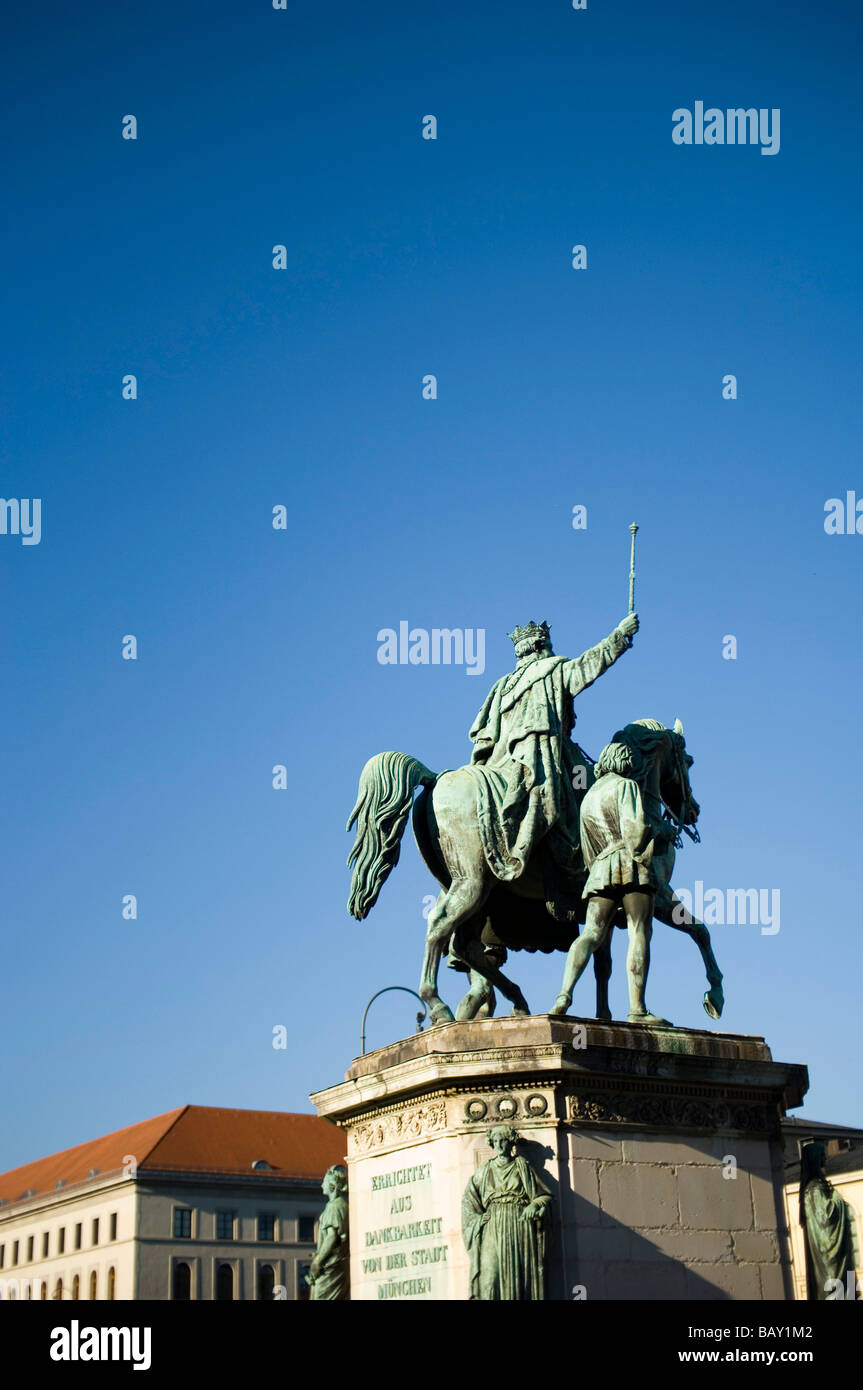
x=302 y=387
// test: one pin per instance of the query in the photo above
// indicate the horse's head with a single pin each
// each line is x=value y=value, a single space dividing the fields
x=656 y=758
x=674 y=785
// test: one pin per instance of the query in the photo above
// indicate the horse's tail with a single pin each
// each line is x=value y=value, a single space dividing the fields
x=387 y=785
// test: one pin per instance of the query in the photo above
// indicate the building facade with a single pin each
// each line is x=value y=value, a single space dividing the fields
x=200 y=1203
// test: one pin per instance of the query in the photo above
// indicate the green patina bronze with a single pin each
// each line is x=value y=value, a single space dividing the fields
x=628 y=848
x=826 y=1221
x=329 y=1273
x=504 y=1213
x=506 y=836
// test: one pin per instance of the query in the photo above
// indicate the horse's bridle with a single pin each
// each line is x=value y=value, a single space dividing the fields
x=691 y=831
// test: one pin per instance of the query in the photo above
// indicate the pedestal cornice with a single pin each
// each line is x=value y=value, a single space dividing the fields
x=589 y=1072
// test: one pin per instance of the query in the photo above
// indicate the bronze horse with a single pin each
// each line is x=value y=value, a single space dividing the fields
x=476 y=916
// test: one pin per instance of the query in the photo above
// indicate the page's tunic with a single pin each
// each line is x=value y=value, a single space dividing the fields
x=623 y=843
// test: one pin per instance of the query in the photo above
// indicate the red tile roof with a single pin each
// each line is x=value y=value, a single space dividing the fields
x=193 y=1139
x=207 y=1139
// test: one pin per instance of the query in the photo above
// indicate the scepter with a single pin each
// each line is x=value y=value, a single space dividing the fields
x=633 y=528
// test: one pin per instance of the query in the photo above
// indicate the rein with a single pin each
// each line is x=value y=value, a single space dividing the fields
x=691 y=831
x=668 y=814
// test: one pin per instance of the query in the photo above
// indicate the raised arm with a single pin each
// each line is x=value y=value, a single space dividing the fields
x=583 y=670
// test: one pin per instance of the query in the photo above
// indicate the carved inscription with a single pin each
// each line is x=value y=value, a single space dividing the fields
x=403 y=1244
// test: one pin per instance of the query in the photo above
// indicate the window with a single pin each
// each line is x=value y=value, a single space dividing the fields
x=96 y=1230
x=182 y=1223
x=78 y=1236
x=2 y=1256
x=61 y=1240
x=112 y=1280
x=14 y=1252
x=43 y=1292
x=306 y=1225
x=93 y=1284
x=45 y=1239
x=58 y=1290
x=113 y=1230
x=224 y=1225
x=224 y=1284
x=266 y=1281
x=181 y=1288
x=266 y=1226
x=30 y=1240
x=304 y=1291
x=76 y=1287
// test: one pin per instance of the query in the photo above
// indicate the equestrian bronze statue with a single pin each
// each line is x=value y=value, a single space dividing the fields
x=531 y=840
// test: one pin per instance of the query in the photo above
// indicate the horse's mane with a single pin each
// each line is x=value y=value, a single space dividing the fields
x=631 y=749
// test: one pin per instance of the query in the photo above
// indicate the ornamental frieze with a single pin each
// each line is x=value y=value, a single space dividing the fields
x=506 y=1107
x=398 y=1126
x=667 y=1111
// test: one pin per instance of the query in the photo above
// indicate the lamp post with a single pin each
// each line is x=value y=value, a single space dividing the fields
x=420 y=1017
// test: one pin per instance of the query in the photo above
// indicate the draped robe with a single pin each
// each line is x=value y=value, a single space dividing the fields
x=828 y=1236
x=507 y=1254
x=333 y=1278
x=524 y=761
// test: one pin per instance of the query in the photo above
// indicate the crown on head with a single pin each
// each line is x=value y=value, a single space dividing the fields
x=525 y=639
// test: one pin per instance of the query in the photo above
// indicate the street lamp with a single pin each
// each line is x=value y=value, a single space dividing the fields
x=420 y=1017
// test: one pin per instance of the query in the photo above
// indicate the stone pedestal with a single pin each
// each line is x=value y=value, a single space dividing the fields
x=660 y=1146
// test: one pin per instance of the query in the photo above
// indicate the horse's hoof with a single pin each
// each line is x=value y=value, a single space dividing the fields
x=442 y=1013
x=561 y=1004
x=605 y=1016
x=653 y=1019
x=519 y=1013
x=714 y=1001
